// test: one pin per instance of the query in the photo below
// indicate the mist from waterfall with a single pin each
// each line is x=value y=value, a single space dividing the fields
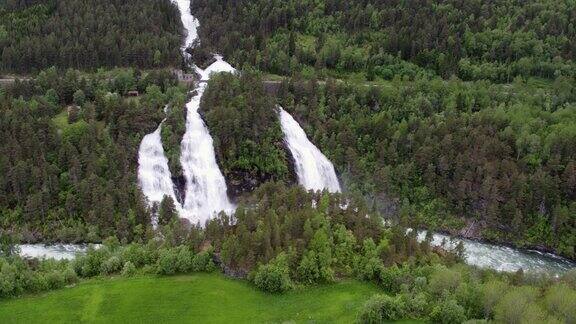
x=314 y=170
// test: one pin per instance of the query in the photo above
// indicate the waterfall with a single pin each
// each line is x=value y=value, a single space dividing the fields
x=314 y=170
x=206 y=191
x=205 y=185
x=189 y=22
x=153 y=173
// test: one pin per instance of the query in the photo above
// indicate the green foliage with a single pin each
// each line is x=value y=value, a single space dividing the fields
x=517 y=306
x=444 y=280
x=382 y=308
x=248 y=139
x=274 y=277
x=167 y=211
x=76 y=182
x=89 y=34
x=474 y=40
x=560 y=300
x=167 y=262
x=128 y=269
x=448 y=312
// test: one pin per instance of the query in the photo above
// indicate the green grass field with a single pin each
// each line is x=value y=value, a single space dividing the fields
x=198 y=298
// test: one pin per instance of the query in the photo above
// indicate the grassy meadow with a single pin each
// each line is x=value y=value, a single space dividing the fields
x=197 y=298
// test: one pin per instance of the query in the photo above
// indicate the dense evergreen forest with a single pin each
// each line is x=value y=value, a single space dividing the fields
x=80 y=34
x=476 y=159
x=247 y=136
x=430 y=152
x=68 y=156
x=422 y=127
x=495 y=40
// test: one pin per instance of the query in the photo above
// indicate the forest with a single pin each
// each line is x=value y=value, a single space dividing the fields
x=474 y=40
x=498 y=162
x=68 y=156
x=35 y=35
x=295 y=240
x=248 y=139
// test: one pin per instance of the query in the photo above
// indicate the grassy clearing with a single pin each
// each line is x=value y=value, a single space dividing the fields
x=198 y=298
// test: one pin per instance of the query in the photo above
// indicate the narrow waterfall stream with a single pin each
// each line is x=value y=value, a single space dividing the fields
x=153 y=173
x=314 y=170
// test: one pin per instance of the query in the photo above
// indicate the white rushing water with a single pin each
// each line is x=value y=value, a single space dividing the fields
x=314 y=170
x=56 y=251
x=153 y=173
x=503 y=258
x=189 y=22
x=206 y=191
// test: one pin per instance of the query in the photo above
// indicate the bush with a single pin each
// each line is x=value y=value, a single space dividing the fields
x=7 y=280
x=444 y=279
x=203 y=262
x=185 y=259
x=561 y=301
x=136 y=254
x=275 y=276
x=55 y=279
x=513 y=307
x=70 y=276
x=382 y=308
x=167 y=261
x=112 y=265
x=128 y=269
x=448 y=312
x=90 y=264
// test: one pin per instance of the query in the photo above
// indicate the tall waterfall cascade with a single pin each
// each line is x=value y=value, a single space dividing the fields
x=205 y=185
x=153 y=173
x=314 y=170
x=206 y=191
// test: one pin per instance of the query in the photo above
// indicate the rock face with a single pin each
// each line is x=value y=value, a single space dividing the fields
x=243 y=182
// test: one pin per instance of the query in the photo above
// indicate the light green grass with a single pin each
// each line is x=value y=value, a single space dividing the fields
x=198 y=298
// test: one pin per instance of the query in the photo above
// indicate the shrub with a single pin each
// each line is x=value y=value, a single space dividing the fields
x=128 y=269
x=203 y=262
x=448 y=312
x=55 y=279
x=167 y=261
x=444 y=279
x=70 y=276
x=274 y=277
x=389 y=278
x=561 y=301
x=382 y=308
x=112 y=265
x=90 y=264
x=185 y=259
x=491 y=293
x=513 y=307
x=136 y=254
x=7 y=280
